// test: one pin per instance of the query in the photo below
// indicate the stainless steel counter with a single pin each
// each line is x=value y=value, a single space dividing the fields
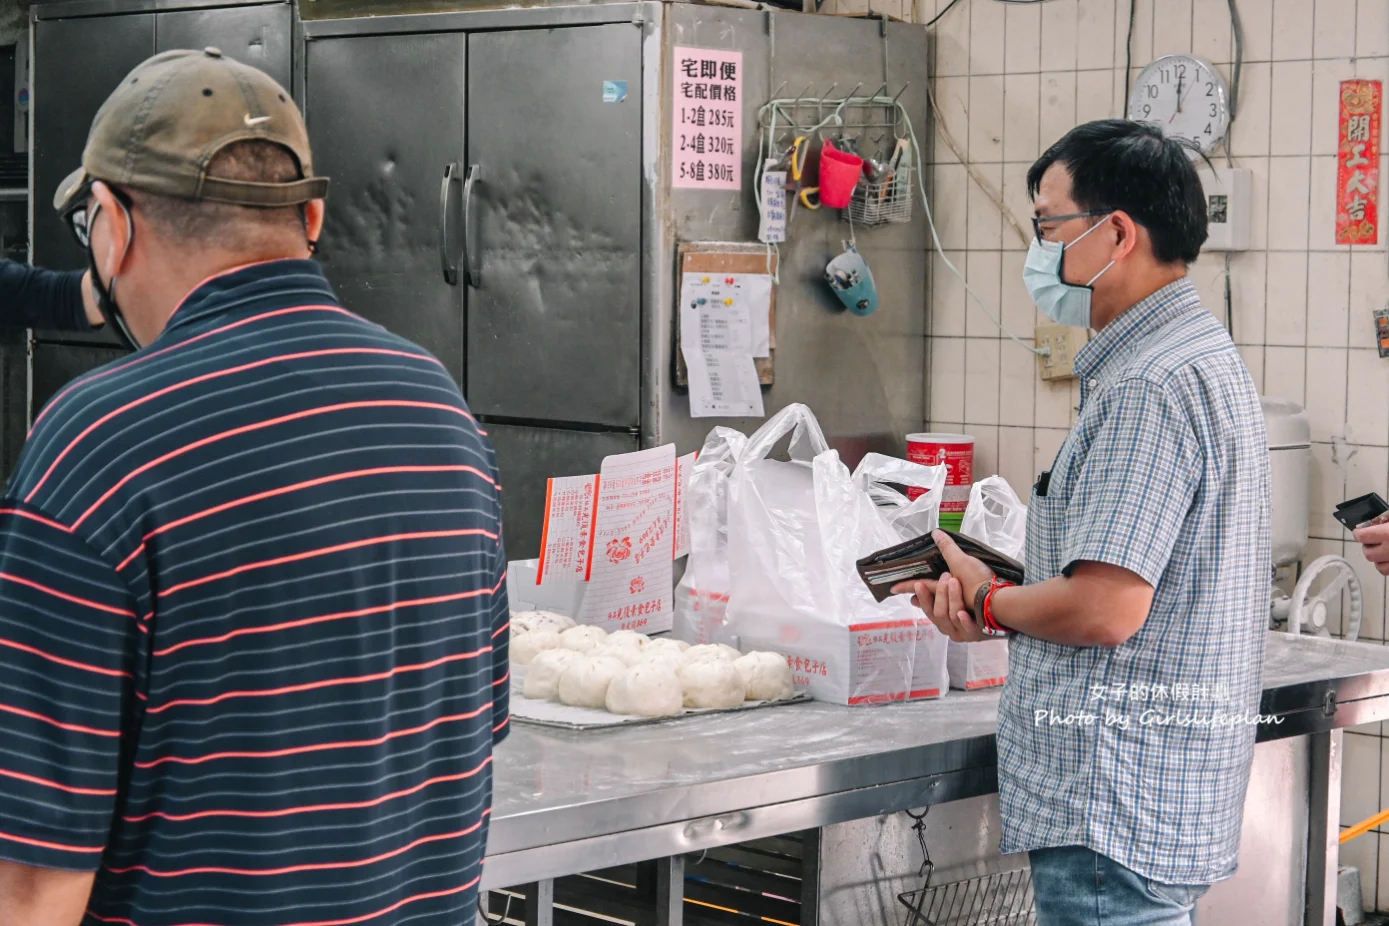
x=566 y=802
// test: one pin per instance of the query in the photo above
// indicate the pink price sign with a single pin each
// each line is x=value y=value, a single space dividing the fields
x=707 y=119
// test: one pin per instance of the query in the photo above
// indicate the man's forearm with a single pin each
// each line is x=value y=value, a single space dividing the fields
x=31 y=297
x=42 y=896
x=1096 y=606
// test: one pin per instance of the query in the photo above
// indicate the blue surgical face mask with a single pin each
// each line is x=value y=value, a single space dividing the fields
x=1062 y=302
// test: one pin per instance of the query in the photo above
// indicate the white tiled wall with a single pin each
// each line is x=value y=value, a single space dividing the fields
x=1010 y=79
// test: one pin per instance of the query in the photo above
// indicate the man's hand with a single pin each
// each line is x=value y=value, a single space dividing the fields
x=1375 y=541
x=943 y=602
x=947 y=601
x=969 y=571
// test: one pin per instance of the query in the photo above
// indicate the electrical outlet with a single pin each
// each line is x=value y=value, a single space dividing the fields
x=1063 y=342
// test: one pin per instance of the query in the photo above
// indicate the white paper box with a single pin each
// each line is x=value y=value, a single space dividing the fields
x=977 y=665
x=872 y=663
x=567 y=598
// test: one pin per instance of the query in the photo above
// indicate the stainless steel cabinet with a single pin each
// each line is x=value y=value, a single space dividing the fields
x=486 y=202
x=66 y=95
x=393 y=215
x=81 y=51
x=563 y=221
x=256 y=35
x=558 y=229
x=497 y=198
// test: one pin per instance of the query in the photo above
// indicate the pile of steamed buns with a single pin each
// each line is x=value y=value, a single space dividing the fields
x=626 y=672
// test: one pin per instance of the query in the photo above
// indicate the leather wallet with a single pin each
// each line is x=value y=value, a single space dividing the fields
x=922 y=559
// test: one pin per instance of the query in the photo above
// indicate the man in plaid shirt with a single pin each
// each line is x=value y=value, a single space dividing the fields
x=1126 y=729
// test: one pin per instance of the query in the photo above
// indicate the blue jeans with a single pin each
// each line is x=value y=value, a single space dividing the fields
x=1076 y=886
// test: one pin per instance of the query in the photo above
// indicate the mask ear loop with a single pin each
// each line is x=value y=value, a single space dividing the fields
x=106 y=294
x=1100 y=274
x=1061 y=268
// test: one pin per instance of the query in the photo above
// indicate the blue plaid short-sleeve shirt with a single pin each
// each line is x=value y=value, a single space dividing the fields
x=1142 y=751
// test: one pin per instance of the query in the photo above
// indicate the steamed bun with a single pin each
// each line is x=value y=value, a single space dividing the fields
x=542 y=675
x=766 y=676
x=585 y=682
x=526 y=646
x=629 y=654
x=647 y=690
x=711 y=651
x=712 y=683
x=582 y=639
x=628 y=638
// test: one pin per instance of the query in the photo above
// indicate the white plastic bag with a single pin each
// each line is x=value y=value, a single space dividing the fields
x=996 y=516
x=878 y=474
x=701 y=598
x=795 y=530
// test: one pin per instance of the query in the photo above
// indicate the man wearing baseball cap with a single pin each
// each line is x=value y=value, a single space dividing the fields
x=253 y=618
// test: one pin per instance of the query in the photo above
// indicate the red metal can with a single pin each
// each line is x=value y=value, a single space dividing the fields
x=956 y=451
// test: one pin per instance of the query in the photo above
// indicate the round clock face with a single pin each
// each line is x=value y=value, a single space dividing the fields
x=1185 y=97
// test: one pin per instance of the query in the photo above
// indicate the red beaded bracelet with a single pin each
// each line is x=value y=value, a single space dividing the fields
x=990 y=624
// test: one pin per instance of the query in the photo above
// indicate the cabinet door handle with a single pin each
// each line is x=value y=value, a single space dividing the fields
x=445 y=198
x=472 y=268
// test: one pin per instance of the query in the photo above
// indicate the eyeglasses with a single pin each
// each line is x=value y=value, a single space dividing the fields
x=1051 y=222
x=79 y=218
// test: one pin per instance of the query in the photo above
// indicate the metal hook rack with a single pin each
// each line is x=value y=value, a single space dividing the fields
x=807 y=114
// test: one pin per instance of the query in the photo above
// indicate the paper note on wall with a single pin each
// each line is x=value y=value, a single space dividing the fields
x=724 y=324
x=771 y=227
x=707 y=119
x=630 y=580
x=567 y=538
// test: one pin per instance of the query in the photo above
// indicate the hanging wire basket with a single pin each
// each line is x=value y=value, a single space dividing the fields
x=1000 y=899
x=884 y=202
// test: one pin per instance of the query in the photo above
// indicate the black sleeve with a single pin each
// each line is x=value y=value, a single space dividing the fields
x=31 y=297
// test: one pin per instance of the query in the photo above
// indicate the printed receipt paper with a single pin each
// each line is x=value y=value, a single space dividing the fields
x=725 y=324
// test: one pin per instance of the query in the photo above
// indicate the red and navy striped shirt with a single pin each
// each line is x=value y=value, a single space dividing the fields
x=253 y=623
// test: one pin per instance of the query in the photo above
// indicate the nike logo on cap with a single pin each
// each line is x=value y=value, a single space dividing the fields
x=252 y=121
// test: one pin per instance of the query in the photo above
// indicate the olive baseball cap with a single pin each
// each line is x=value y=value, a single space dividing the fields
x=166 y=120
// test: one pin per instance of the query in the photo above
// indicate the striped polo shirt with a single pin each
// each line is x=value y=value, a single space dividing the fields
x=253 y=623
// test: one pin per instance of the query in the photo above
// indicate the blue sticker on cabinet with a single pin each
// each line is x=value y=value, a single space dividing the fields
x=614 y=91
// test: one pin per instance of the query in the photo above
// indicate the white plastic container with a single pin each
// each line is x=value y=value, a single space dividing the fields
x=1290 y=463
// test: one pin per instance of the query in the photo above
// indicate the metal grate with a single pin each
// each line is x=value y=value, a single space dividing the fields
x=885 y=202
x=749 y=884
x=1002 y=899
